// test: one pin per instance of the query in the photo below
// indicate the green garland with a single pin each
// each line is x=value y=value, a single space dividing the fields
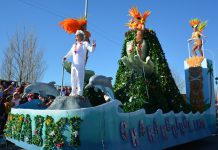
x=9 y=125
x=14 y=126
x=26 y=134
x=17 y=127
x=37 y=137
x=53 y=136
x=20 y=128
x=75 y=125
x=60 y=124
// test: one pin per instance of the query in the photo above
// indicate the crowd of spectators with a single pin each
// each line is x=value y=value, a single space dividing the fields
x=12 y=95
x=65 y=91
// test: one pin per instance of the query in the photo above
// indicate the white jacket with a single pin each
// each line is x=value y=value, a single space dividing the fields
x=78 y=52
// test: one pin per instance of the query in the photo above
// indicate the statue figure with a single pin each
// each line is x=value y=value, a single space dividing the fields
x=103 y=83
x=44 y=89
x=198 y=27
x=137 y=58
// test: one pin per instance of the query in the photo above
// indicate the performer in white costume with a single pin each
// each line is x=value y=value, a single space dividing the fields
x=79 y=52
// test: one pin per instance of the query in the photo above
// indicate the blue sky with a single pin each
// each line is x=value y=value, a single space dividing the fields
x=106 y=22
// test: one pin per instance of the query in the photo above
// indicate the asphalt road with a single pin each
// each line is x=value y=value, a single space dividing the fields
x=10 y=146
x=209 y=143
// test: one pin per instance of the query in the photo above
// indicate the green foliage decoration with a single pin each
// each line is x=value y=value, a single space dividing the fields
x=9 y=125
x=37 y=137
x=19 y=127
x=53 y=136
x=158 y=91
x=26 y=134
x=75 y=129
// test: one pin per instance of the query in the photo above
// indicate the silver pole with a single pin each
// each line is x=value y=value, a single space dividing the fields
x=86 y=8
x=86 y=15
x=62 y=80
x=189 y=55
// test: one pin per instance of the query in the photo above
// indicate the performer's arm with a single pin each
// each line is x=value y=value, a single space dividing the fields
x=201 y=34
x=190 y=39
x=90 y=48
x=69 y=53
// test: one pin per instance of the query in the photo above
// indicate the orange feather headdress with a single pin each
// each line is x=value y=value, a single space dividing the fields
x=133 y=12
x=72 y=25
x=196 y=23
x=138 y=20
x=145 y=16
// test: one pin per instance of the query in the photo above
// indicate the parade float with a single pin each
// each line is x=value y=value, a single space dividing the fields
x=145 y=111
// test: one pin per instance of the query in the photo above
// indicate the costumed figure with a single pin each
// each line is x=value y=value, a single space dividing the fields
x=137 y=58
x=78 y=52
x=198 y=27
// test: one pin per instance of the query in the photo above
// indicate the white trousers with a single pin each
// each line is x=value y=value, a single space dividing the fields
x=77 y=80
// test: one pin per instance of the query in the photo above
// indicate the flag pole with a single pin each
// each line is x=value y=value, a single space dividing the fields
x=86 y=16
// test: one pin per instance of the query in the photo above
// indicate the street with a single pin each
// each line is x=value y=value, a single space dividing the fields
x=209 y=143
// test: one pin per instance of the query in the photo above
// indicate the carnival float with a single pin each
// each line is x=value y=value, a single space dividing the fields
x=145 y=110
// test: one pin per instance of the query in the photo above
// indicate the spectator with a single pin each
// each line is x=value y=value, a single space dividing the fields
x=8 y=104
x=44 y=100
x=23 y=99
x=2 y=115
x=23 y=85
x=64 y=91
x=18 y=90
x=4 y=84
x=50 y=100
x=12 y=88
x=8 y=91
x=68 y=91
x=30 y=97
x=35 y=96
x=1 y=91
x=16 y=99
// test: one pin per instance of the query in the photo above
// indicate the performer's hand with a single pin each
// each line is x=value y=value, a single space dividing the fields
x=93 y=43
x=130 y=51
x=139 y=46
x=189 y=40
x=131 y=47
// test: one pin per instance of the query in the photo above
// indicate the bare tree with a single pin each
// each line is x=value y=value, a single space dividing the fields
x=6 y=66
x=22 y=60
